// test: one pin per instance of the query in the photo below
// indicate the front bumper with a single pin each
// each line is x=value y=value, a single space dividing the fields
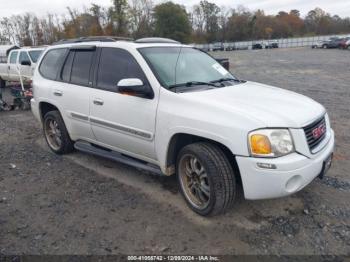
x=292 y=173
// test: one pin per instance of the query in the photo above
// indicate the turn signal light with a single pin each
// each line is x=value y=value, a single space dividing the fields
x=260 y=144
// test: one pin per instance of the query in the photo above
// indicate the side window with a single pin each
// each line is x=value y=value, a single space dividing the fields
x=81 y=67
x=50 y=64
x=23 y=56
x=117 y=64
x=13 y=57
x=67 y=68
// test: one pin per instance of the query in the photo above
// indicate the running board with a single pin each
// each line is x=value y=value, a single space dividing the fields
x=115 y=156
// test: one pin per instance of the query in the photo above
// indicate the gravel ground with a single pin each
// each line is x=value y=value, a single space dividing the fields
x=79 y=204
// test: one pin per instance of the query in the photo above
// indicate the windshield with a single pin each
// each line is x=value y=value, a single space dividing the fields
x=34 y=55
x=180 y=65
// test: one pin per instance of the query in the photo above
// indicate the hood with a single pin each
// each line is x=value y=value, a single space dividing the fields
x=272 y=106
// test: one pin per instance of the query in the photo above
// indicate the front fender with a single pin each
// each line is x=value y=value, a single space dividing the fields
x=236 y=146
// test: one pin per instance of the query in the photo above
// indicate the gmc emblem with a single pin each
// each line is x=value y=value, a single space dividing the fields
x=319 y=131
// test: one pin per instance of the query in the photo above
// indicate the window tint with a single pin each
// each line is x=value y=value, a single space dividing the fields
x=23 y=56
x=13 y=57
x=67 y=68
x=50 y=64
x=81 y=67
x=117 y=64
x=34 y=55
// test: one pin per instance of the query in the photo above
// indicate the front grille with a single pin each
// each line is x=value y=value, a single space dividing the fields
x=311 y=140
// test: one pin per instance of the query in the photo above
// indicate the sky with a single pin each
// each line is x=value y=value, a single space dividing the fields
x=41 y=7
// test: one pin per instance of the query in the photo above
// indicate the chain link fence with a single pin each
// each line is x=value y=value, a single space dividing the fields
x=282 y=43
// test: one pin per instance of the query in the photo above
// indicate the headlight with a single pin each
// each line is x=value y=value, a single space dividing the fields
x=270 y=142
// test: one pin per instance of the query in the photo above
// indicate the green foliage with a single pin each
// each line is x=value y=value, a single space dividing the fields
x=120 y=17
x=171 y=21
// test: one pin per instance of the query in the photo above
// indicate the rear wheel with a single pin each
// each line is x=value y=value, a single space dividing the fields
x=325 y=46
x=206 y=178
x=56 y=134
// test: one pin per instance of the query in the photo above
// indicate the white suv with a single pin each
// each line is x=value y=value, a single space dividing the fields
x=172 y=109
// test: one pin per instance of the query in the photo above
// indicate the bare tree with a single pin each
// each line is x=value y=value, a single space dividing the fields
x=141 y=17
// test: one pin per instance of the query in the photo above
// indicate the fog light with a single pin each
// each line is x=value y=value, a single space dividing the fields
x=293 y=184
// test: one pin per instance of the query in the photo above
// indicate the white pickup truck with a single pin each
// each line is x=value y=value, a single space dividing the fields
x=20 y=63
x=172 y=109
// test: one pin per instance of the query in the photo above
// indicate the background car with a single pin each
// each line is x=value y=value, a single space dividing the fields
x=257 y=45
x=271 y=44
x=205 y=47
x=230 y=47
x=347 y=44
x=218 y=46
x=20 y=64
x=317 y=44
x=333 y=42
x=343 y=42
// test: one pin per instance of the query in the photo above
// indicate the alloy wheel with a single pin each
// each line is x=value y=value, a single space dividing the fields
x=194 y=181
x=53 y=134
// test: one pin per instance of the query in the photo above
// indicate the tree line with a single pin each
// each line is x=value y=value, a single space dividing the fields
x=205 y=22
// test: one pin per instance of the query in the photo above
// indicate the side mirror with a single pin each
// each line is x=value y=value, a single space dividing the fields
x=134 y=86
x=26 y=63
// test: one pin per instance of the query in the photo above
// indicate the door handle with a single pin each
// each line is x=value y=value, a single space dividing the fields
x=98 y=102
x=58 y=93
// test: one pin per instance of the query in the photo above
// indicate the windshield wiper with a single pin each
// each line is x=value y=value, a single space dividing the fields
x=192 y=83
x=225 y=79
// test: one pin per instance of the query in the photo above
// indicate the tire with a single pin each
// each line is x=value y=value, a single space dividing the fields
x=66 y=145
x=218 y=178
x=2 y=83
x=325 y=46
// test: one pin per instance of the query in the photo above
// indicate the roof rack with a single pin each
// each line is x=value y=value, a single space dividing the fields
x=115 y=39
x=92 y=39
x=156 y=40
x=38 y=46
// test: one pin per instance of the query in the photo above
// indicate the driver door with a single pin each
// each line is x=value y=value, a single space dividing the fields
x=123 y=122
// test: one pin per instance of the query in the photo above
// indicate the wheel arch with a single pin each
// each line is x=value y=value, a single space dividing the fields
x=45 y=107
x=179 y=140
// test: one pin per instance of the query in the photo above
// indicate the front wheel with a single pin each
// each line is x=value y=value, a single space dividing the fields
x=56 y=134
x=206 y=178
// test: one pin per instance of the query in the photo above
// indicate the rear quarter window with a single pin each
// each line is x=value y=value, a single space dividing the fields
x=51 y=63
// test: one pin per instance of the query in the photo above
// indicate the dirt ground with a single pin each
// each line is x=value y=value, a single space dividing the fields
x=80 y=204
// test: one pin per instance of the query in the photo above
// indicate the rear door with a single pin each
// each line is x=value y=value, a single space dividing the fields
x=72 y=91
x=122 y=121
